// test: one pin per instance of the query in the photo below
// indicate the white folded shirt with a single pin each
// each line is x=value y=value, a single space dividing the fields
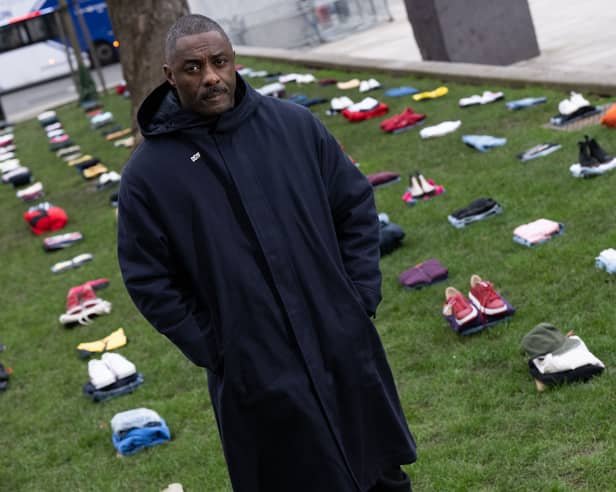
x=571 y=359
x=441 y=129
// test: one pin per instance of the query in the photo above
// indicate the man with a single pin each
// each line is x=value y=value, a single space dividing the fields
x=248 y=239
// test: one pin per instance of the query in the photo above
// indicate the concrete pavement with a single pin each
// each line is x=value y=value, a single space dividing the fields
x=27 y=103
x=577 y=42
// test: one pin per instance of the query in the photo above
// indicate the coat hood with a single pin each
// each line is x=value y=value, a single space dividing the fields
x=161 y=112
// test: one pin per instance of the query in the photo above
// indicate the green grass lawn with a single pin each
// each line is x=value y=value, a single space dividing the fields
x=479 y=422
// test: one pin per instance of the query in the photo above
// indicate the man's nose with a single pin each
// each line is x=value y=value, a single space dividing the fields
x=210 y=76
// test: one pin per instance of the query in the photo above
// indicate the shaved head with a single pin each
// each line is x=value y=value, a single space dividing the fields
x=187 y=26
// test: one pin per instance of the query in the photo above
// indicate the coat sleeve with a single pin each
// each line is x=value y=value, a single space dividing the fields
x=355 y=218
x=154 y=283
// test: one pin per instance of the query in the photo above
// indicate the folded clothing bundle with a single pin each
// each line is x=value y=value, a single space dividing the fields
x=45 y=217
x=536 y=232
x=556 y=358
x=478 y=209
x=113 y=375
x=426 y=273
x=391 y=235
x=607 y=260
x=136 y=429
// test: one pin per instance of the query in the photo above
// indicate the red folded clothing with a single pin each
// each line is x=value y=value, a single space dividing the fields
x=41 y=221
x=401 y=121
x=380 y=110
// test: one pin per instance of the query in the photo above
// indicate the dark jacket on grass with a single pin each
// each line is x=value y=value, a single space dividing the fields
x=253 y=245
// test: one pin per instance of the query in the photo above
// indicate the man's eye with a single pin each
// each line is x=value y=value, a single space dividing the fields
x=220 y=62
x=192 y=68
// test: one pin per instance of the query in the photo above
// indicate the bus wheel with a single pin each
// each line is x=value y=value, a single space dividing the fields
x=105 y=53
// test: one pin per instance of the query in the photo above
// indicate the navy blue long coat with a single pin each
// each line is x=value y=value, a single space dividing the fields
x=253 y=245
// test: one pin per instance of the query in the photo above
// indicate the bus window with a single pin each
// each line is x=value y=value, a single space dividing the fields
x=38 y=29
x=9 y=38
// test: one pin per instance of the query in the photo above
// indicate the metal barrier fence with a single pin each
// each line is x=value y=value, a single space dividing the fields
x=298 y=23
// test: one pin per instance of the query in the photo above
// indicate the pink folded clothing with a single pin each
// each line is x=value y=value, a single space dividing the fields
x=537 y=231
x=426 y=273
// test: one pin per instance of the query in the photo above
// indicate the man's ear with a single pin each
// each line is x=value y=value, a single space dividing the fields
x=169 y=74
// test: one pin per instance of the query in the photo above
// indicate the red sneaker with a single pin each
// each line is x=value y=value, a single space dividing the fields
x=488 y=301
x=459 y=306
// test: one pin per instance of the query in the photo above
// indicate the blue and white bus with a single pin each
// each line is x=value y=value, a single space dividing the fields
x=32 y=48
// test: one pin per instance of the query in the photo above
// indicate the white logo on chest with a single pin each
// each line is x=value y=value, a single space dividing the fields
x=194 y=157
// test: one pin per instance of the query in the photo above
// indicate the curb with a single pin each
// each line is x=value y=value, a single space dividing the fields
x=601 y=83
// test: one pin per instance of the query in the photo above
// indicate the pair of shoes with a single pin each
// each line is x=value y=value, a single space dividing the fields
x=419 y=186
x=369 y=85
x=399 y=122
x=81 y=304
x=340 y=103
x=107 y=179
x=31 y=192
x=109 y=369
x=77 y=261
x=483 y=298
x=572 y=104
x=591 y=153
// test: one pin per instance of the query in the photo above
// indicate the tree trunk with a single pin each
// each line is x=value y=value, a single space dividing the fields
x=141 y=28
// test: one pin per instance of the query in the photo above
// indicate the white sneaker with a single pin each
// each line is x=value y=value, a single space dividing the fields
x=288 y=77
x=305 y=78
x=7 y=156
x=369 y=85
x=365 y=104
x=340 y=103
x=275 y=89
x=488 y=97
x=100 y=374
x=119 y=365
x=9 y=165
x=470 y=101
x=34 y=189
x=45 y=115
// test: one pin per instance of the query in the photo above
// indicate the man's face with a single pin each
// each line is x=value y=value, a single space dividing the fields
x=202 y=69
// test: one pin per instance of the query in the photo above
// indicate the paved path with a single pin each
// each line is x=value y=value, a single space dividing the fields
x=29 y=102
x=577 y=42
x=573 y=36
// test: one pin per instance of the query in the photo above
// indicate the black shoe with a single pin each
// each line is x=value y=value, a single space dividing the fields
x=585 y=158
x=596 y=151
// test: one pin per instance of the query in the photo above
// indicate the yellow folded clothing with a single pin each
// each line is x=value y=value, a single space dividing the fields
x=111 y=342
x=438 y=92
x=349 y=84
x=118 y=134
x=79 y=160
x=94 y=171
